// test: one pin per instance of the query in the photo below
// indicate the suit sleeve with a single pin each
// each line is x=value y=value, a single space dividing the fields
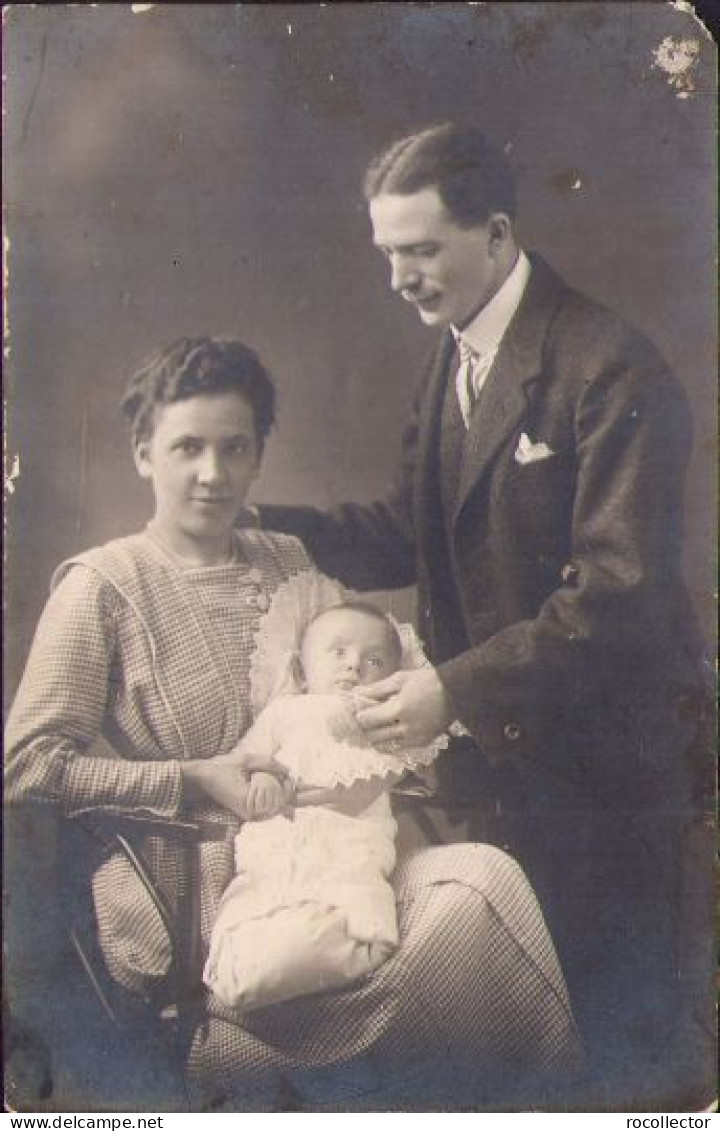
x=613 y=611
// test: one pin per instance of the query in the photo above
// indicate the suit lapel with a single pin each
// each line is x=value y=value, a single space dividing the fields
x=518 y=364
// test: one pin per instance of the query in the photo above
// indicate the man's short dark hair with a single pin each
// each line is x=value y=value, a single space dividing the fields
x=471 y=175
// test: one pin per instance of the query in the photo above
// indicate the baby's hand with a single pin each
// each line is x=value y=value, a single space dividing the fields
x=267 y=795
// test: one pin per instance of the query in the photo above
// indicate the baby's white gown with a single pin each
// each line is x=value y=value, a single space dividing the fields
x=311 y=908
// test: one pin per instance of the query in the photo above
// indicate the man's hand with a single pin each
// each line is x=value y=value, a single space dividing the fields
x=409 y=708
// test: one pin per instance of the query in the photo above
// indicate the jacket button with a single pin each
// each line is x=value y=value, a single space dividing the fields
x=512 y=732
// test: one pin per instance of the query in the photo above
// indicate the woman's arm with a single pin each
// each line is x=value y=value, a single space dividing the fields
x=60 y=708
x=59 y=712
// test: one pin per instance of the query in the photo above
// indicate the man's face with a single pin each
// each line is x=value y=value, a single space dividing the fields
x=447 y=272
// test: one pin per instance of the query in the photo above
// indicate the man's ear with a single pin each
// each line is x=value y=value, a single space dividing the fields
x=499 y=226
x=141 y=455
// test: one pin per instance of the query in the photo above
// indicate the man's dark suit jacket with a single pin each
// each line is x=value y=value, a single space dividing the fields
x=549 y=591
x=550 y=596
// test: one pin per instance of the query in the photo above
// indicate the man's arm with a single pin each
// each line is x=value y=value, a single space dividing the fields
x=362 y=546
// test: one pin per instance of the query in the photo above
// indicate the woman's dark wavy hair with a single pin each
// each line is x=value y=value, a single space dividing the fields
x=471 y=176
x=189 y=367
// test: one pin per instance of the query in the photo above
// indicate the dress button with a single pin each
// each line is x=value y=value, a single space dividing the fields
x=255 y=575
x=512 y=732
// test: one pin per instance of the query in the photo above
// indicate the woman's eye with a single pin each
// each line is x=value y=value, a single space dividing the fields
x=238 y=447
x=188 y=447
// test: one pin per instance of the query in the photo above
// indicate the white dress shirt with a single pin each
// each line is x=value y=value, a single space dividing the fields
x=484 y=334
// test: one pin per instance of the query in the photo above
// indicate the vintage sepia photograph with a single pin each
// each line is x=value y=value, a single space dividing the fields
x=359 y=620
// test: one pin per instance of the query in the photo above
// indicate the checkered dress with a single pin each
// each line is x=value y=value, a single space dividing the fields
x=138 y=663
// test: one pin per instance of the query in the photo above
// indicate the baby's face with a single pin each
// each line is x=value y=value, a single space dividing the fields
x=347 y=648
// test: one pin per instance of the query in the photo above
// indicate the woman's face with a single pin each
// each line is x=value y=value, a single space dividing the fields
x=201 y=458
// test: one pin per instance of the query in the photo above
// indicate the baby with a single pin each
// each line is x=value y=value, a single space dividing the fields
x=311 y=908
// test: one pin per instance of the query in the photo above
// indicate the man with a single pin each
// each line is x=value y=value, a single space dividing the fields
x=538 y=507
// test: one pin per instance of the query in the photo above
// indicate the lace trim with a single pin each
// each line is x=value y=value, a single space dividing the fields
x=292 y=606
x=328 y=748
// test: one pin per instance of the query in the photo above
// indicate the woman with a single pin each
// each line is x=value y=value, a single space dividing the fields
x=148 y=642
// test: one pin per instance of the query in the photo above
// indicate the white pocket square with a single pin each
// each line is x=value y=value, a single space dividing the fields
x=528 y=452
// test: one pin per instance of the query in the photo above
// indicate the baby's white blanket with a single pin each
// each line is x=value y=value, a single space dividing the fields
x=311 y=907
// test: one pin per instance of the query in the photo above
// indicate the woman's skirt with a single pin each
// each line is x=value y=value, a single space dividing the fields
x=470 y=1012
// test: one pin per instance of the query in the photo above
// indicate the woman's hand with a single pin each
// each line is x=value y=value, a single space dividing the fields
x=227 y=780
x=222 y=781
x=409 y=708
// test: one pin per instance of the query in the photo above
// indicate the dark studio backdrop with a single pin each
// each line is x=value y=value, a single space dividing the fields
x=197 y=169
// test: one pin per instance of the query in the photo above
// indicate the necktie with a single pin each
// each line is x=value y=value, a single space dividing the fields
x=465 y=381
